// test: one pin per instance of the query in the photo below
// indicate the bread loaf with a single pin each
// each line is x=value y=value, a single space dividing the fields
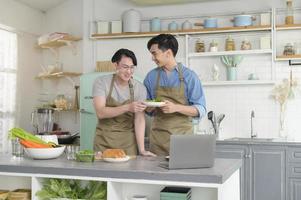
x=113 y=153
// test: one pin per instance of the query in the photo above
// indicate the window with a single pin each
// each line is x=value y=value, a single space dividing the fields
x=8 y=82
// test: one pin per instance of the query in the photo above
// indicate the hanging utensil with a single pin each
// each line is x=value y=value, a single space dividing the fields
x=76 y=101
x=211 y=117
x=291 y=94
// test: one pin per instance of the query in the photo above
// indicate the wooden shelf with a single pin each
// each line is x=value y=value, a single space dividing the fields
x=288 y=27
x=238 y=82
x=58 y=75
x=183 y=32
x=221 y=53
x=291 y=57
x=60 y=42
x=68 y=110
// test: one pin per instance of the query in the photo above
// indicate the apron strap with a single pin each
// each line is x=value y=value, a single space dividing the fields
x=158 y=81
x=131 y=87
x=111 y=86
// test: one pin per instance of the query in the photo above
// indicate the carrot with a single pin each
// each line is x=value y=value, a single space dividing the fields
x=31 y=144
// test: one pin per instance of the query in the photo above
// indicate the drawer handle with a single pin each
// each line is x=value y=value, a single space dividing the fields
x=88 y=97
x=297 y=154
x=297 y=169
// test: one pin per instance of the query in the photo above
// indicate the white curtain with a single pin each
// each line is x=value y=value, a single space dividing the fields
x=8 y=82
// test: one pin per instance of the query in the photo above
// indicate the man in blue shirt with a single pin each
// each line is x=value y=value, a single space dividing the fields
x=180 y=89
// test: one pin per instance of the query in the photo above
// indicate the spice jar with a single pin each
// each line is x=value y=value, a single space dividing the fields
x=288 y=50
x=230 y=45
x=289 y=18
x=199 y=46
x=213 y=46
x=245 y=45
x=61 y=102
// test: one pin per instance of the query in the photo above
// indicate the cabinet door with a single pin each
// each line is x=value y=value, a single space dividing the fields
x=238 y=152
x=268 y=173
x=294 y=189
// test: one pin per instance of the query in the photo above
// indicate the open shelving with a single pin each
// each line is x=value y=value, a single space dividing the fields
x=59 y=75
x=221 y=53
x=238 y=82
x=184 y=32
x=66 y=40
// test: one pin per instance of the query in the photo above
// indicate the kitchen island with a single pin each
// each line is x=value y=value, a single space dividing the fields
x=141 y=175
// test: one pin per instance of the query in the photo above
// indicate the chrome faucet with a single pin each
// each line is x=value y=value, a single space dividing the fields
x=253 y=135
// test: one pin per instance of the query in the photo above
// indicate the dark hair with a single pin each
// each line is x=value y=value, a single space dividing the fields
x=124 y=52
x=165 y=42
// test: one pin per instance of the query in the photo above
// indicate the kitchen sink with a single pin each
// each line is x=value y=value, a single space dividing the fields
x=251 y=139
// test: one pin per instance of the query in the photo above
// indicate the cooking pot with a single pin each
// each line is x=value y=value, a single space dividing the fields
x=243 y=20
x=208 y=23
x=67 y=138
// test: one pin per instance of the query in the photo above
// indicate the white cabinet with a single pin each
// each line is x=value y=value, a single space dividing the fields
x=122 y=189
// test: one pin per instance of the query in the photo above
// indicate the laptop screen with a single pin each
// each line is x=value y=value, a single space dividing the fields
x=192 y=151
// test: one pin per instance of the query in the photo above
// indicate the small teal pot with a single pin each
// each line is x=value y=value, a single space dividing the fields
x=231 y=73
x=210 y=23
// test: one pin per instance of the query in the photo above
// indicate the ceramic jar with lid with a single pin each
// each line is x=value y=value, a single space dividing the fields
x=230 y=45
x=213 y=46
x=131 y=21
x=187 y=25
x=199 y=46
x=155 y=25
x=246 y=45
x=173 y=26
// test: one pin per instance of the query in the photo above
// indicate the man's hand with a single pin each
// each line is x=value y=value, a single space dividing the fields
x=147 y=153
x=150 y=109
x=169 y=107
x=136 y=106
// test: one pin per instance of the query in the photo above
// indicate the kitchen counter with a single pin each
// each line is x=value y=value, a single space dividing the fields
x=272 y=141
x=137 y=168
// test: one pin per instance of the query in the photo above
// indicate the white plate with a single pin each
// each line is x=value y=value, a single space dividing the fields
x=117 y=159
x=153 y=103
x=44 y=153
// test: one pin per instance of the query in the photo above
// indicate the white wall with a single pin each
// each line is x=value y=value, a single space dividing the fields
x=27 y=22
x=235 y=101
x=21 y=17
x=67 y=17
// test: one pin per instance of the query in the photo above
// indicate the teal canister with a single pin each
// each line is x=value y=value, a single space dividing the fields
x=173 y=26
x=155 y=24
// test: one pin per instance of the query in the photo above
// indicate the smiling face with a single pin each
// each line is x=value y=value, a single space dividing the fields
x=161 y=58
x=125 y=69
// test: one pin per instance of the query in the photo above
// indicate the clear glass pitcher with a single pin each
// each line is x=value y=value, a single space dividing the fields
x=42 y=120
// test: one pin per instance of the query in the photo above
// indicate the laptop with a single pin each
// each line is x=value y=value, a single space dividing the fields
x=191 y=151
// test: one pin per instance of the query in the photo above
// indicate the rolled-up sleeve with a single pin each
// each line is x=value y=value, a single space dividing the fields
x=195 y=94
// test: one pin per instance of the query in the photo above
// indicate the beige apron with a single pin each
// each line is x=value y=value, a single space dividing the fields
x=166 y=124
x=117 y=132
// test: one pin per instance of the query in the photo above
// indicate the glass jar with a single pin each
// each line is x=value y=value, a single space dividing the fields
x=289 y=14
x=230 y=45
x=289 y=49
x=61 y=102
x=246 y=45
x=213 y=46
x=199 y=46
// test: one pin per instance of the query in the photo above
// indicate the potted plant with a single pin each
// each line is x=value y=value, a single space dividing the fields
x=231 y=63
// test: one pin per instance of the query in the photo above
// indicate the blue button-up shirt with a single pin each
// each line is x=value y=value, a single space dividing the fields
x=193 y=87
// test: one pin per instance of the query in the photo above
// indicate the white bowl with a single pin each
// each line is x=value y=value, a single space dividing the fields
x=153 y=103
x=44 y=153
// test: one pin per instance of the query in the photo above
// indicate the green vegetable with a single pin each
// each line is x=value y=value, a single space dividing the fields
x=22 y=134
x=72 y=189
x=85 y=156
x=157 y=99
